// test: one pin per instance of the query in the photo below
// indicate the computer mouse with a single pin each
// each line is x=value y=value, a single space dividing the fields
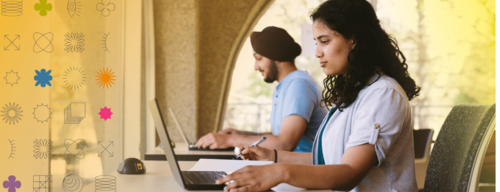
x=131 y=166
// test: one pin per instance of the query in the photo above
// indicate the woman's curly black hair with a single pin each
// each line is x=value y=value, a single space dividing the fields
x=374 y=51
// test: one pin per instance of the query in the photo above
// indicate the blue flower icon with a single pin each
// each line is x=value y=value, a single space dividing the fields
x=43 y=78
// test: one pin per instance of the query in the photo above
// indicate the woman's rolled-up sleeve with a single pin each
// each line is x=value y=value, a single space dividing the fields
x=378 y=121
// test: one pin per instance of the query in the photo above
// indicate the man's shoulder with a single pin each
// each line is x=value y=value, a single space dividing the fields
x=302 y=78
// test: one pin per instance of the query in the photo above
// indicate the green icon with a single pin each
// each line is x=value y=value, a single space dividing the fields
x=43 y=7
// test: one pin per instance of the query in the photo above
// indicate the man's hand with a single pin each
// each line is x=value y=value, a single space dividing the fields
x=254 y=178
x=229 y=131
x=257 y=153
x=215 y=141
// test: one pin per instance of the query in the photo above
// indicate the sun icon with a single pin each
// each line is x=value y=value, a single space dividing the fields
x=74 y=78
x=105 y=77
x=12 y=113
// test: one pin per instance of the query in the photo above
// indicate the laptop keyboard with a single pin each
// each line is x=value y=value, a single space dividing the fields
x=202 y=177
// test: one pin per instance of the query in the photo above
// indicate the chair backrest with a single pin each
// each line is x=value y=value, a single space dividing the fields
x=422 y=140
x=456 y=158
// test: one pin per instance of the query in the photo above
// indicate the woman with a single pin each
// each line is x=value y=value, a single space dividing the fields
x=365 y=143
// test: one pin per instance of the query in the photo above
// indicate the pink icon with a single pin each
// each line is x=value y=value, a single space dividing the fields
x=105 y=113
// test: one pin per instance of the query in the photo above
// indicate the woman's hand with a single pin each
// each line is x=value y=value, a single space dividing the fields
x=257 y=153
x=255 y=178
x=229 y=131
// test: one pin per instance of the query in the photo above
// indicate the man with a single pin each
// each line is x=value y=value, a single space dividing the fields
x=296 y=112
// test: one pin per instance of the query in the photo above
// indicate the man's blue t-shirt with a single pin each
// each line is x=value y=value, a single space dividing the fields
x=298 y=94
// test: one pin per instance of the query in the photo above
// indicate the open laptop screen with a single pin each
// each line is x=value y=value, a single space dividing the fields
x=165 y=139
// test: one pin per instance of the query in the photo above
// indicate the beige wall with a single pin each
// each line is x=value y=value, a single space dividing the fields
x=197 y=43
x=175 y=41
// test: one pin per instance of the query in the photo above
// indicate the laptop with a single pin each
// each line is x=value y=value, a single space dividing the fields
x=190 y=180
x=192 y=146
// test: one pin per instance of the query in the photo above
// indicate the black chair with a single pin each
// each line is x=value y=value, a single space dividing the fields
x=422 y=140
x=456 y=159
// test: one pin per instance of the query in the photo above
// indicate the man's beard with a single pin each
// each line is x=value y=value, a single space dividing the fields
x=272 y=74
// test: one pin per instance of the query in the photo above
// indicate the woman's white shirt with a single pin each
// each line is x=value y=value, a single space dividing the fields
x=380 y=116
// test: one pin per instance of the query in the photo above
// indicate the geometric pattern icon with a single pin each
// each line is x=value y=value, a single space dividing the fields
x=12 y=149
x=43 y=42
x=105 y=77
x=12 y=43
x=12 y=113
x=105 y=7
x=12 y=8
x=43 y=78
x=43 y=7
x=73 y=7
x=42 y=113
x=74 y=148
x=12 y=184
x=72 y=183
x=105 y=113
x=42 y=148
x=11 y=77
x=105 y=183
x=74 y=113
x=42 y=183
x=74 y=78
x=74 y=42
x=104 y=42
x=105 y=149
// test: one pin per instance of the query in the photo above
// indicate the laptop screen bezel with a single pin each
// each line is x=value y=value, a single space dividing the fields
x=165 y=140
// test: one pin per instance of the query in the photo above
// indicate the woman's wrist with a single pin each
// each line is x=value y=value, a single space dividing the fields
x=285 y=171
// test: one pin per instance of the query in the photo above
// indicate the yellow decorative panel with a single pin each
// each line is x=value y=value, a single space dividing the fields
x=61 y=64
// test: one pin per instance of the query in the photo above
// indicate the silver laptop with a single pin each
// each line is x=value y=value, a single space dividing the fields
x=190 y=180
x=192 y=146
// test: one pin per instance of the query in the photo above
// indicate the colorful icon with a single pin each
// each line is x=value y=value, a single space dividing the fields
x=43 y=7
x=43 y=77
x=105 y=113
x=105 y=77
x=12 y=184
